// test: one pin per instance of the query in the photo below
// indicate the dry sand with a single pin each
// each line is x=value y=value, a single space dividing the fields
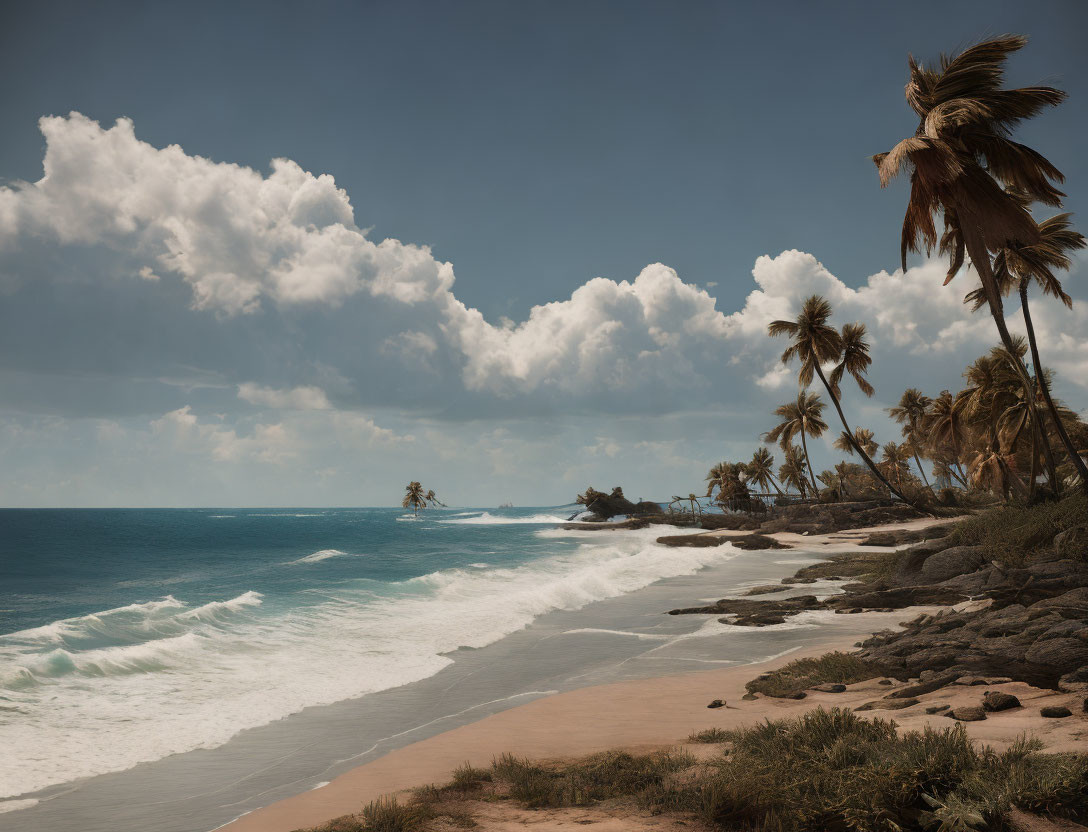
x=648 y=714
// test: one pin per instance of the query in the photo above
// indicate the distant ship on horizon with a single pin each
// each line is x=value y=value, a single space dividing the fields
x=506 y=505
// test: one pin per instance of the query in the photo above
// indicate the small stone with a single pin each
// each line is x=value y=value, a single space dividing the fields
x=970 y=681
x=995 y=700
x=887 y=705
x=936 y=709
x=885 y=682
x=830 y=688
x=1055 y=712
x=1000 y=680
x=969 y=713
x=717 y=703
x=749 y=697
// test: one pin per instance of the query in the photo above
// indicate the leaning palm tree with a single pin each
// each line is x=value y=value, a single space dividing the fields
x=947 y=432
x=760 y=469
x=863 y=437
x=414 y=498
x=802 y=417
x=1016 y=269
x=432 y=499
x=716 y=474
x=911 y=413
x=961 y=158
x=816 y=342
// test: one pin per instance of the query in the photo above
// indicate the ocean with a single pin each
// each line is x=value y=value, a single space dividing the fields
x=159 y=657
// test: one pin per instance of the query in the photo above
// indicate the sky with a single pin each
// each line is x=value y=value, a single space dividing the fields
x=285 y=254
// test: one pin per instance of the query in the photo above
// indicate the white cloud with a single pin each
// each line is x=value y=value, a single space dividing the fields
x=295 y=398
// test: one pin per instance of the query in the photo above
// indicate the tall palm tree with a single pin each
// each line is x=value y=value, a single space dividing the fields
x=911 y=413
x=414 y=498
x=793 y=469
x=1017 y=269
x=960 y=156
x=815 y=342
x=802 y=417
x=760 y=469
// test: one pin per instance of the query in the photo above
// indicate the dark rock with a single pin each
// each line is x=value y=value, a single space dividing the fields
x=1075 y=681
x=1055 y=712
x=749 y=696
x=936 y=709
x=898 y=597
x=698 y=541
x=1072 y=543
x=967 y=713
x=949 y=563
x=757 y=541
x=754 y=612
x=995 y=700
x=732 y=522
x=717 y=703
x=912 y=558
x=1062 y=654
x=796 y=580
x=830 y=688
x=885 y=682
x=971 y=681
x=928 y=686
x=797 y=694
x=887 y=705
x=766 y=589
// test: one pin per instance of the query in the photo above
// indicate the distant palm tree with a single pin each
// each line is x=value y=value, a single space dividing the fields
x=863 y=437
x=414 y=498
x=995 y=470
x=804 y=416
x=760 y=469
x=947 y=433
x=960 y=156
x=911 y=414
x=896 y=461
x=715 y=474
x=433 y=500
x=815 y=342
x=793 y=469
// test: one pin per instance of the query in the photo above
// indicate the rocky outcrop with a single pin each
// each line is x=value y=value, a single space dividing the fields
x=754 y=613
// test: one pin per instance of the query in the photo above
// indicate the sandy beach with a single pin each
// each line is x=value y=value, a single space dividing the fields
x=655 y=713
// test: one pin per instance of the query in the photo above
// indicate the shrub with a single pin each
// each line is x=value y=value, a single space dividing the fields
x=840 y=668
x=387 y=815
x=710 y=735
x=1014 y=534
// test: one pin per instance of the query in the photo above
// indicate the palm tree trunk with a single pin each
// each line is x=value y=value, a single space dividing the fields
x=854 y=442
x=808 y=462
x=1034 y=459
x=776 y=488
x=980 y=258
x=922 y=471
x=1078 y=463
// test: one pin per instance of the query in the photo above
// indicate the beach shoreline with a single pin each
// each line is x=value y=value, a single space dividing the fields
x=637 y=714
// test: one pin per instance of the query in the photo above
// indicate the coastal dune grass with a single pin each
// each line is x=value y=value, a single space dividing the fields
x=1015 y=535
x=801 y=674
x=827 y=769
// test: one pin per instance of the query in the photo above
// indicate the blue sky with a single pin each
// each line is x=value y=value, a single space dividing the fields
x=531 y=148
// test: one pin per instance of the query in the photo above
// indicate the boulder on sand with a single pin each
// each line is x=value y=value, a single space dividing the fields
x=996 y=700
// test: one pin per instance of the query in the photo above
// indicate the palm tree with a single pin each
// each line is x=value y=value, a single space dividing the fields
x=896 y=461
x=1017 y=268
x=414 y=498
x=760 y=468
x=960 y=156
x=814 y=342
x=792 y=471
x=804 y=416
x=433 y=500
x=994 y=470
x=947 y=432
x=863 y=437
x=911 y=413
x=716 y=474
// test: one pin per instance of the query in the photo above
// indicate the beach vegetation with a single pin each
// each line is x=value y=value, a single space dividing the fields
x=802 y=674
x=711 y=736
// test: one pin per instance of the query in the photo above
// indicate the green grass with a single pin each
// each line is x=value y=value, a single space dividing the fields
x=710 y=736
x=1016 y=535
x=802 y=674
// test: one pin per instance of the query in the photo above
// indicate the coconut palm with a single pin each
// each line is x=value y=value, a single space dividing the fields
x=793 y=469
x=1017 y=269
x=960 y=157
x=947 y=432
x=760 y=469
x=992 y=469
x=863 y=437
x=433 y=500
x=815 y=342
x=895 y=461
x=717 y=474
x=802 y=417
x=911 y=413
x=414 y=498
